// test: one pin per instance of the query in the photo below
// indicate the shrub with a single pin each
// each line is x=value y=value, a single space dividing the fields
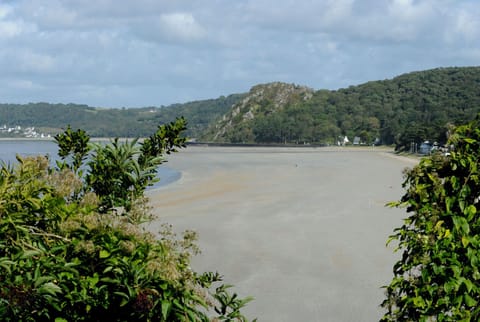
x=66 y=254
x=438 y=277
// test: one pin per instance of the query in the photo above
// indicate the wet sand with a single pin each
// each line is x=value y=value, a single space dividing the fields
x=302 y=230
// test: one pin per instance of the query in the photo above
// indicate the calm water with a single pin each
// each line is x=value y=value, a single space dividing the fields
x=10 y=148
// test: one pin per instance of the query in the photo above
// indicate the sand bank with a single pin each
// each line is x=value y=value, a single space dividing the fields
x=302 y=230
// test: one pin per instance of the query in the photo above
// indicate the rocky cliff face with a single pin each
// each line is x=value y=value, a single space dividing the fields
x=261 y=100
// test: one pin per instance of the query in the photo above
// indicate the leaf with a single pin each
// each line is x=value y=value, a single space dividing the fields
x=124 y=296
x=93 y=280
x=465 y=241
x=449 y=202
x=166 y=305
x=461 y=224
x=49 y=288
x=30 y=253
x=104 y=254
x=5 y=263
x=468 y=284
x=449 y=287
x=469 y=301
x=42 y=280
x=447 y=233
x=418 y=301
x=470 y=212
x=456 y=270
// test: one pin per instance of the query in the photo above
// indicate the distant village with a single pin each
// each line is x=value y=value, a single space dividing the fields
x=23 y=132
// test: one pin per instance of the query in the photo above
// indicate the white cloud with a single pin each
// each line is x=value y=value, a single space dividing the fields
x=4 y=11
x=336 y=11
x=23 y=84
x=467 y=24
x=49 y=15
x=182 y=26
x=10 y=26
x=9 y=29
x=148 y=52
x=31 y=62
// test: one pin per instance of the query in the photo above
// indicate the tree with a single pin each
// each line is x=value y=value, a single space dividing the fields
x=438 y=275
x=67 y=255
x=119 y=172
x=72 y=144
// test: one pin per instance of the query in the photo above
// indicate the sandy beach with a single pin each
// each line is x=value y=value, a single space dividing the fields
x=302 y=230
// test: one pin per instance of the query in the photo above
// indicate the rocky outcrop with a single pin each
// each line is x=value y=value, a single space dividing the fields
x=262 y=99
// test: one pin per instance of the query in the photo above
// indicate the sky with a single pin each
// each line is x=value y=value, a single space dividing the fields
x=120 y=53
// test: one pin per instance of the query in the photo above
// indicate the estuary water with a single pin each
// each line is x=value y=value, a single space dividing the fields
x=10 y=148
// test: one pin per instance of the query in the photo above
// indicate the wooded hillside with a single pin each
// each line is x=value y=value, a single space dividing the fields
x=103 y=122
x=409 y=108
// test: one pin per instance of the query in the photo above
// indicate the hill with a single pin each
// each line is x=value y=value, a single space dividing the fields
x=409 y=108
x=102 y=122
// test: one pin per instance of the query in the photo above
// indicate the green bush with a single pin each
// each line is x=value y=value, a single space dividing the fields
x=438 y=275
x=67 y=256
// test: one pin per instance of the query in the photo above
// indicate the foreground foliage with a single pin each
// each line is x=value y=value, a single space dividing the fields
x=438 y=276
x=68 y=254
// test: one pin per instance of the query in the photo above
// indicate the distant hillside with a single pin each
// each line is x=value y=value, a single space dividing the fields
x=199 y=114
x=99 y=122
x=409 y=108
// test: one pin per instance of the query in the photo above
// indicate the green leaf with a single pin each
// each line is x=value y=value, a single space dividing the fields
x=470 y=212
x=93 y=280
x=449 y=287
x=469 y=301
x=461 y=225
x=6 y=264
x=49 y=288
x=468 y=284
x=104 y=254
x=166 y=305
x=465 y=241
x=124 y=296
x=60 y=320
x=42 y=280
x=30 y=253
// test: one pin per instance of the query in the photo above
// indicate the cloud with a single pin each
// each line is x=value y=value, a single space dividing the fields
x=146 y=52
x=10 y=26
x=34 y=62
x=4 y=11
x=176 y=27
x=464 y=24
x=9 y=29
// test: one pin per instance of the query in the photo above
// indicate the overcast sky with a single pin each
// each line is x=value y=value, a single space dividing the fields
x=119 y=53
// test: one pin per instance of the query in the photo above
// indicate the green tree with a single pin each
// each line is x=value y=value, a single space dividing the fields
x=119 y=172
x=72 y=144
x=437 y=277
